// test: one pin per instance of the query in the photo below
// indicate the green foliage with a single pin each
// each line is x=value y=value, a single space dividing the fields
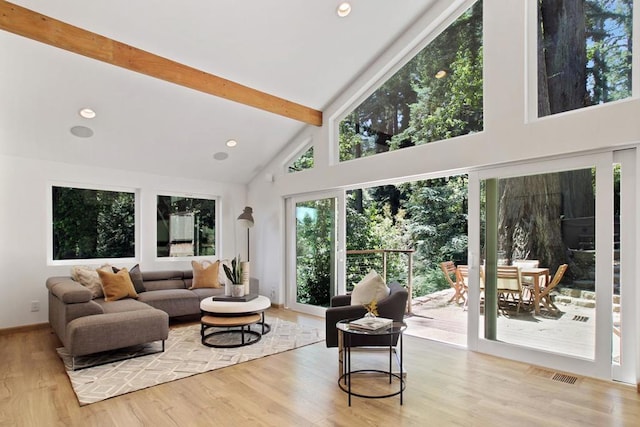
x=235 y=272
x=432 y=219
x=430 y=281
x=438 y=212
x=315 y=232
x=414 y=107
x=305 y=161
x=608 y=40
x=91 y=224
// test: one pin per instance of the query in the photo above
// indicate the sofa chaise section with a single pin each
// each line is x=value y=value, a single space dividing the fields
x=87 y=325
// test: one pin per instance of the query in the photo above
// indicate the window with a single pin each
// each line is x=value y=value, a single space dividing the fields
x=91 y=224
x=435 y=96
x=584 y=53
x=302 y=162
x=186 y=226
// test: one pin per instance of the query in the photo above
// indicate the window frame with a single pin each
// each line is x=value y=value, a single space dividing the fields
x=300 y=150
x=95 y=187
x=217 y=219
x=531 y=67
x=387 y=69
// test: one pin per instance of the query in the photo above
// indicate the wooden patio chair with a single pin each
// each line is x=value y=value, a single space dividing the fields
x=509 y=283
x=545 y=292
x=526 y=281
x=462 y=276
x=450 y=273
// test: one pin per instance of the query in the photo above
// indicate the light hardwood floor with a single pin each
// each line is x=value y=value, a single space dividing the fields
x=445 y=386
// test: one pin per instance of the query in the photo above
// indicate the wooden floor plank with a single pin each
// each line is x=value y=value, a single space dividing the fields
x=445 y=386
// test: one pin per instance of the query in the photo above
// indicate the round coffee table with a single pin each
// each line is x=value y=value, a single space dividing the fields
x=228 y=314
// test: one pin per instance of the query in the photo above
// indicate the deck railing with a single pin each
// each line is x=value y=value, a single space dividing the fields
x=378 y=259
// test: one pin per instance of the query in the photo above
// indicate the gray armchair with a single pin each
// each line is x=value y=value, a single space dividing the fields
x=393 y=307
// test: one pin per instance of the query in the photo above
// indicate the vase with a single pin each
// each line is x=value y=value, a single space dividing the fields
x=245 y=268
x=237 y=290
x=227 y=288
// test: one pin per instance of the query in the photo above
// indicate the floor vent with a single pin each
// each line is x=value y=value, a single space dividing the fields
x=564 y=378
x=552 y=375
x=580 y=318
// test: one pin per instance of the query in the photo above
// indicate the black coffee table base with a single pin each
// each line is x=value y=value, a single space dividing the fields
x=247 y=336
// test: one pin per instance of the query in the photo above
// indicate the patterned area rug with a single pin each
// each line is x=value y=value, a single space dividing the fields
x=184 y=356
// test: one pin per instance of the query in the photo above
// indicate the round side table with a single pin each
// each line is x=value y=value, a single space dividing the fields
x=396 y=329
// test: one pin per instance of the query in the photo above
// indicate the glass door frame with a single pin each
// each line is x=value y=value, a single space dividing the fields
x=291 y=244
x=629 y=198
x=600 y=366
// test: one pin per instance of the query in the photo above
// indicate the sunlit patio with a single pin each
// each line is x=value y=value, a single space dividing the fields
x=570 y=331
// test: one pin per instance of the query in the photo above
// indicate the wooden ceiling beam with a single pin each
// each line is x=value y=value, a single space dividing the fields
x=27 y=23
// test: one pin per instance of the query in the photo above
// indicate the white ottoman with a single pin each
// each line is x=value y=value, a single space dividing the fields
x=209 y=306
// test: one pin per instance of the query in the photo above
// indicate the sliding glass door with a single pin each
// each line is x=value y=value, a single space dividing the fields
x=314 y=245
x=548 y=263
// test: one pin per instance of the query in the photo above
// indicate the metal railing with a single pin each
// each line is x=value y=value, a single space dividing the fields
x=360 y=262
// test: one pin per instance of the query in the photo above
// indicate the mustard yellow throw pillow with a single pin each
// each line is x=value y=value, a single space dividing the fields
x=205 y=274
x=117 y=285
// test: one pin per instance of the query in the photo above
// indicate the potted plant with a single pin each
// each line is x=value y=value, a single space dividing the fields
x=234 y=274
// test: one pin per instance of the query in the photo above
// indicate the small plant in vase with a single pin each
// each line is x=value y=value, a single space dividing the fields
x=234 y=274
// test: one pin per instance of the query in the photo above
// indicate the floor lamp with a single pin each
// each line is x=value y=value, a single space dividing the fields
x=246 y=220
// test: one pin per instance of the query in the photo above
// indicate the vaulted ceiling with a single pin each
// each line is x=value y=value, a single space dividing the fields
x=296 y=51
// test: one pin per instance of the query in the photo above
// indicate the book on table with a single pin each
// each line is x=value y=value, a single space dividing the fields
x=371 y=323
x=244 y=298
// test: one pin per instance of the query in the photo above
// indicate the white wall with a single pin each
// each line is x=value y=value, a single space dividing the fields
x=24 y=187
x=509 y=134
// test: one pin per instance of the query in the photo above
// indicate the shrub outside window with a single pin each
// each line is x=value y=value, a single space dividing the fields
x=186 y=226
x=92 y=224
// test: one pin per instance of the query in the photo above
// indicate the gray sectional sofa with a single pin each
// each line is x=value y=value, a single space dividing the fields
x=87 y=325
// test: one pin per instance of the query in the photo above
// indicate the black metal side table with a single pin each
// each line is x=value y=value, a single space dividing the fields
x=396 y=329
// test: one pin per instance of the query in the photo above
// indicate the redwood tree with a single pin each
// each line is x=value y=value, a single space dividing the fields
x=531 y=207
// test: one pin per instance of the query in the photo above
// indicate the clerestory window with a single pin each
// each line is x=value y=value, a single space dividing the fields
x=584 y=53
x=437 y=95
x=302 y=162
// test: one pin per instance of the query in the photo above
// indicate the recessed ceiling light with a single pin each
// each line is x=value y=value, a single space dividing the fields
x=232 y=143
x=87 y=113
x=220 y=155
x=81 y=131
x=343 y=9
x=441 y=74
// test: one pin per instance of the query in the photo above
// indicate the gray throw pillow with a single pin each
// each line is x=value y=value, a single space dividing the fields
x=136 y=277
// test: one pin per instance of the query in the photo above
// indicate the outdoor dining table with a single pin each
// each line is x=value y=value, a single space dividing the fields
x=540 y=278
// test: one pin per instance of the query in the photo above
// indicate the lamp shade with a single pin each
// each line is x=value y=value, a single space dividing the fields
x=246 y=217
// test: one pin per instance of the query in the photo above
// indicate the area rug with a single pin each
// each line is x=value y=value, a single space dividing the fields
x=184 y=356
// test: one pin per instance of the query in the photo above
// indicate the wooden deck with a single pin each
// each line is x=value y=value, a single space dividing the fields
x=570 y=332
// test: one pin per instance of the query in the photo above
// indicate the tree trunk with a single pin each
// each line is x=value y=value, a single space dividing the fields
x=529 y=224
x=531 y=206
x=565 y=53
x=577 y=194
x=543 y=91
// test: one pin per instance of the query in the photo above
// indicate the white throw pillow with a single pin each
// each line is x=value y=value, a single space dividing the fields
x=370 y=288
x=89 y=278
